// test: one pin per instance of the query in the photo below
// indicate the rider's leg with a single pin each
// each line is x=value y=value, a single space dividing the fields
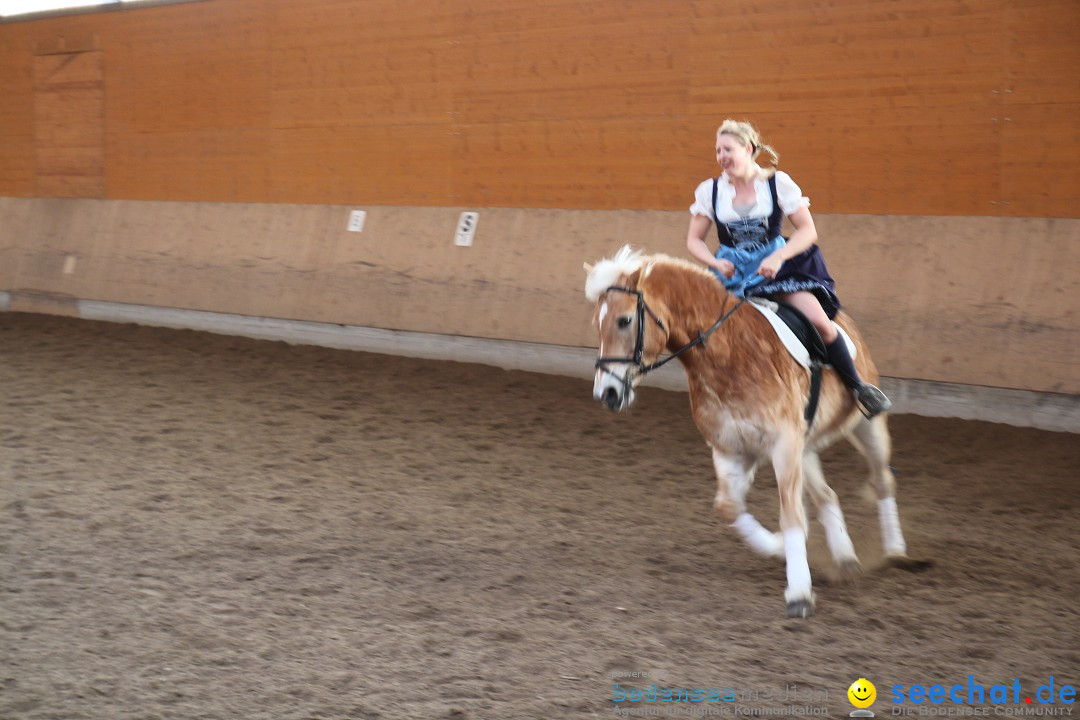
x=807 y=303
x=872 y=400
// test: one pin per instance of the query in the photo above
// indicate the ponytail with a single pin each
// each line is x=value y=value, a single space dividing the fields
x=746 y=133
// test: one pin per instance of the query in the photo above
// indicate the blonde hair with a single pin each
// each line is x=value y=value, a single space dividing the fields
x=746 y=134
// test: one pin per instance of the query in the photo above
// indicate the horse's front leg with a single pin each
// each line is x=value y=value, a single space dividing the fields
x=787 y=458
x=734 y=476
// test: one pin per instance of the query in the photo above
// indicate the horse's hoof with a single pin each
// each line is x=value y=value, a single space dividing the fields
x=800 y=609
x=910 y=564
x=850 y=571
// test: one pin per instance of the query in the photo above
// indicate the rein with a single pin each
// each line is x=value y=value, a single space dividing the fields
x=639 y=345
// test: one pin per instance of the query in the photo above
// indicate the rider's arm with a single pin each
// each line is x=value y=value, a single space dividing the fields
x=803 y=238
x=695 y=243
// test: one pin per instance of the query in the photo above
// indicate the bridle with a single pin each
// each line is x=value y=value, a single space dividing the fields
x=639 y=343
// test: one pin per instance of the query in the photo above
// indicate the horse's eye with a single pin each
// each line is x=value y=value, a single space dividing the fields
x=624 y=321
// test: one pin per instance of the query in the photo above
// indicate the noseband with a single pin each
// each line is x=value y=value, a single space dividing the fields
x=639 y=343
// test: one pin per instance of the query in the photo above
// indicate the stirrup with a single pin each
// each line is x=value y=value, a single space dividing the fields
x=872 y=402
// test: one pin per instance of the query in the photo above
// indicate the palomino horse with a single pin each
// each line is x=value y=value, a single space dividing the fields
x=747 y=396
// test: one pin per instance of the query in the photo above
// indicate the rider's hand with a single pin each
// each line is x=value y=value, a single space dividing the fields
x=770 y=266
x=726 y=268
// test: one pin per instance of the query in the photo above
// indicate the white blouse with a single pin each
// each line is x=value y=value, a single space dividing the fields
x=787 y=192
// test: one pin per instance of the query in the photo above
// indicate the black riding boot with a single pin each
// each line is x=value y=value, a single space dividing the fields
x=872 y=400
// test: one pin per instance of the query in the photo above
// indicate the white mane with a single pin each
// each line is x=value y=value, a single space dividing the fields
x=606 y=272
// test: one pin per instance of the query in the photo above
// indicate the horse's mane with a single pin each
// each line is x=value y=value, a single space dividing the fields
x=626 y=261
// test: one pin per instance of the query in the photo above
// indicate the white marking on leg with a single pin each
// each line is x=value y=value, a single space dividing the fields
x=836 y=533
x=734 y=477
x=872 y=439
x=735 y=473
x=892 y=537
x=829 y=513
x=798 y=569
x=760 y=540
x=787 y=460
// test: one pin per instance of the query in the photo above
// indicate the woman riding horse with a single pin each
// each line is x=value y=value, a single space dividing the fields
x=747 y=398
x=748 y=204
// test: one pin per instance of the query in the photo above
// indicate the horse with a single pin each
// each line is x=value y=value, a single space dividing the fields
x=748 y=398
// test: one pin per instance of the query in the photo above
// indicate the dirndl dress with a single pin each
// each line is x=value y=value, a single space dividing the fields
x=757 y=237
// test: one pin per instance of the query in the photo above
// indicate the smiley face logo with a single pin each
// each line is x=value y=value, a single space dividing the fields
x=862 y=693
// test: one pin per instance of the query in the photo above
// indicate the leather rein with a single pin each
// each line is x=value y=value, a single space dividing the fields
x=639 y=344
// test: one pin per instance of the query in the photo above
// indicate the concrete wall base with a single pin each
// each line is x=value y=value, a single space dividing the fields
x=1045 y=411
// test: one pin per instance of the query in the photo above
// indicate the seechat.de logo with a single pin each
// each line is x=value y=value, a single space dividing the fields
x=862 y=695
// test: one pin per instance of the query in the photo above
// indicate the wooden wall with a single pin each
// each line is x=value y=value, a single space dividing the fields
x=217 y=147
x=915 y=107
x=69 y=123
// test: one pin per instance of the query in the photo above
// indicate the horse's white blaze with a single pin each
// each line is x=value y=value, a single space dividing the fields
x=598 y=375
x=600 y=324
x=613 y=377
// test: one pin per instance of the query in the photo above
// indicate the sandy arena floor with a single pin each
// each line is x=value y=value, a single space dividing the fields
x=197 y=526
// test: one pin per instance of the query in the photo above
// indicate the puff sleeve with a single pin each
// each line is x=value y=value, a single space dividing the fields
x=703 y=200
x=789 y=194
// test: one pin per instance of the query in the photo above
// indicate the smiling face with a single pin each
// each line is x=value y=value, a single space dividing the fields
x=733 y=155
x=862 y=693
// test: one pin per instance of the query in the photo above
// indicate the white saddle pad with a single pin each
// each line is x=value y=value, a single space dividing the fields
x=794 y=347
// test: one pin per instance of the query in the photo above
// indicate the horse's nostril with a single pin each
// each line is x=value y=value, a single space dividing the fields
x=611 y=398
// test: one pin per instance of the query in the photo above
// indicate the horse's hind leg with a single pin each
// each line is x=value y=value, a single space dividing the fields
x=871 y=438
x=830 y=515
x=733 y=478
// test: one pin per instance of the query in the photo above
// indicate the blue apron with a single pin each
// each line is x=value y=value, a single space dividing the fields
x=745 y=242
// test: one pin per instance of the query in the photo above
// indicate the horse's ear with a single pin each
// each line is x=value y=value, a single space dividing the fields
x=588 y=268
x=633 y=279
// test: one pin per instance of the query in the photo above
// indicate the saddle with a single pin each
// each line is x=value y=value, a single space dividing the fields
x=803 y=343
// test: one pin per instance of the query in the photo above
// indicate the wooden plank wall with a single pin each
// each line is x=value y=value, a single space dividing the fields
x=16 y=111
x=913 y=107
x=939 y=141
x=69 y=124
